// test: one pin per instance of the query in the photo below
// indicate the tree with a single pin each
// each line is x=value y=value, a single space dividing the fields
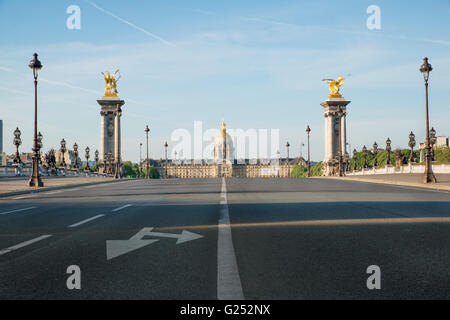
x=442 y=154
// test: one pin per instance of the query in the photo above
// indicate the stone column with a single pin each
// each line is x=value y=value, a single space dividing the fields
x=110 y=128
x=335 y=132
x=117 y=136
x=102 y=135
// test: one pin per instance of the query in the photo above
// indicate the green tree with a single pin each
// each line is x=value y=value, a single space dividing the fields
x=299 y=171
x=153 y=173
x=442 y=154
x=128 y=169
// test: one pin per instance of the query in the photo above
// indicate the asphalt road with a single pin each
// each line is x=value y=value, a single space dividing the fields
x=226 y=239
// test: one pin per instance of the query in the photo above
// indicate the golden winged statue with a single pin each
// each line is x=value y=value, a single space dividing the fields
x=335 y=85
x=111 y=83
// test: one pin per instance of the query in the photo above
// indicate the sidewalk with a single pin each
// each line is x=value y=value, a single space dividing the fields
x=403 y=179
x=18 y=185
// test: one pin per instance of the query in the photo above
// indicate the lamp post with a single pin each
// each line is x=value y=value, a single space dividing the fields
x=355 y=157
x=35 y=179
x=147 y=176
x=364 y=154
x=289 y=168
x=388 y=149
x=63 y=150
x=96 y=153
x=412 y=144
x=75 y=153
x=308 y=130
x=140 y=154
x=87 y=150
x=428 y=174
x=432 y=142
x=375 y=152
x=17 y=142
x=110 y=161
x=165 y=149
x=40 y=144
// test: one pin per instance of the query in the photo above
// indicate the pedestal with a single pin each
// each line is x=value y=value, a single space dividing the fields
x=110 y=141
x=335 y=112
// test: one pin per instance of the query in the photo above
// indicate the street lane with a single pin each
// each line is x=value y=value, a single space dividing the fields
x=279 y=259
x=163 y=269
x=290 y=238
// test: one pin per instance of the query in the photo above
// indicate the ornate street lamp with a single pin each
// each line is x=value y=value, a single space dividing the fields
x=375 y=152
x=87 y=150
x=308 y=130
x=75 y=153
x=40 y=144
x=96 y=159
x=428 y=175
x=432 y=142
x=140 y=154
x=35 y=179
x=412 y=144
x=17 y=142
x=355 y=157
x=364 y=154
x=63 y=150
x=165 y=149
x=388 y=149
x=288 y=164
x=110 y=162
x=147 y=176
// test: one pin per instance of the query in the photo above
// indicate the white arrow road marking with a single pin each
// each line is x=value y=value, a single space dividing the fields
x=85 y=221
x=123 y=207
x=18 y=210
x=115 y=248
x=185 y=236
x=24 y=244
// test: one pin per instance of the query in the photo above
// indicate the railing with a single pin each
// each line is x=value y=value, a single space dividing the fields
x=22 y=171
x=406 y=168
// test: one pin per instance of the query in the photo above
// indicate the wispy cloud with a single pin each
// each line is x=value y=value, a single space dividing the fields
x=320 y=28
x=154 y=36
x=6 y=69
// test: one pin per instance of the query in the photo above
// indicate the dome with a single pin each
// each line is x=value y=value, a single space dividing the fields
x=223 y=146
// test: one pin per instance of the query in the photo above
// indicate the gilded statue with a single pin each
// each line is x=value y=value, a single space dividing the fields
x=335 y=85
x=111 y=83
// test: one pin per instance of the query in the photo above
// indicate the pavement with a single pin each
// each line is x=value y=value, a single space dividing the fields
x=18 y=185
x=267 y=238
x=404 y=179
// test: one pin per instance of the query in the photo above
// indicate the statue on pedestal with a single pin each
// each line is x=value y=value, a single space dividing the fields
x=335 y=85
x=111 y=83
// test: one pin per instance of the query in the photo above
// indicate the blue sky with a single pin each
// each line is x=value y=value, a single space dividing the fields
x=257 y=63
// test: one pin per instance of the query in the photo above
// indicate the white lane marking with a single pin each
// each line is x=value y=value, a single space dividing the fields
x=85 y=221
x=23 y=197
x=18 y=210
x=75 y=189
x=229 y=285
x=54 y=192
x=89 y=187
x=123 y=207
x=24 y=244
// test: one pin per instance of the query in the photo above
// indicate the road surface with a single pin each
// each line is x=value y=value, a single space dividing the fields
x=226 y=239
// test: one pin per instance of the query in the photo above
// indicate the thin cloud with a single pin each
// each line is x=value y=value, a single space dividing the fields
x=6 y=69
x=278 y=23
x=131 y=24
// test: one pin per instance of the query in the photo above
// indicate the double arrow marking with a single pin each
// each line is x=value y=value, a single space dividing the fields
x=115 y=248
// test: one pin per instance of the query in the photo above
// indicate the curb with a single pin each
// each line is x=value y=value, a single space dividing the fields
x=396 y=183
